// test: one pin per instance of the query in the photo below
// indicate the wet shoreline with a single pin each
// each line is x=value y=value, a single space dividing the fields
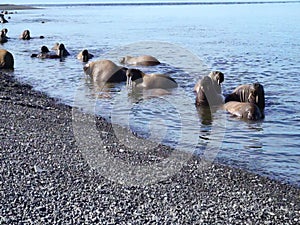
x=46 y=178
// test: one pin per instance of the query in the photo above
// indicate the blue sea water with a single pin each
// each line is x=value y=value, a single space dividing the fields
x=247 y=42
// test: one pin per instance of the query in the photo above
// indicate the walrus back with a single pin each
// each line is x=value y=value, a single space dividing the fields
x=6 y=59
x=159 y=81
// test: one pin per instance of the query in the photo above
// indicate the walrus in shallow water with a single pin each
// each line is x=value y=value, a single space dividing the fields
x=6 y=59
x=2 y=19
x=105 y=71
x=217 y=78
x=3 y=37
x=253 y=93
x=45 y=54
x=84 y=55
x=5 y=31
x=243 y=110
x=60 y=49
x=206 y=94
x=25 y=35
x=144 y=60
x=136 y=78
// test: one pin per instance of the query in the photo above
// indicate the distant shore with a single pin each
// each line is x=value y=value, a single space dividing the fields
x=15 y=7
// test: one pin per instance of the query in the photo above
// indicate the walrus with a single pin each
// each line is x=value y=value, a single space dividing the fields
x=25 y=35
x=55 y=46
x=217 y=78
x=6 y=59
x=84 y=55
x=2 y=19
x=243 y=110
x=45 y=54
x=5 y=31
x=144 y=60
x=136 y=78
x=206 y=94
x=253 y=93
x=60 y=49
x=105 y=71
x=3 y=37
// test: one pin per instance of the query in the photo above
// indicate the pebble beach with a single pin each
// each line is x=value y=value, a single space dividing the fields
x=46 y=180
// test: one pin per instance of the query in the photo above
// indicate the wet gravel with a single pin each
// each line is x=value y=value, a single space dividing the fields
x=45 y=177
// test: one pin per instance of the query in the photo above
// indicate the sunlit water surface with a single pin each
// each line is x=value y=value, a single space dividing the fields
x=247 y=43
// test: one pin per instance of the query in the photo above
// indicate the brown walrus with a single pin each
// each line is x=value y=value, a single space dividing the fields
x=84 y=55
x=2 y=19
x=243 y=110
x=6 y=59
x=206 y=94
x=3 y=37
x=253 y=93
x=138 y=79
x=144 y=60
x=217 y=78
x=60 y=49
x=5 y=31
x=105 y=71
x=25 y=35
x=45 y=54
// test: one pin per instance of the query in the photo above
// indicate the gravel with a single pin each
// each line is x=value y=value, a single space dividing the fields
x=45 y=177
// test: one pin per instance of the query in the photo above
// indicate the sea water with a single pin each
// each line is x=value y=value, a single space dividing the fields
x=247 y=42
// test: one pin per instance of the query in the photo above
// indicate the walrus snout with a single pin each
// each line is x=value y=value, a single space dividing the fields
x=122 y=60
x=129 y=76
x=253 y=115
x=25 y=35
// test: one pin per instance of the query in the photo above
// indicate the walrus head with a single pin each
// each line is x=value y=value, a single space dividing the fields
x=134 y=75
x=61 y=50
x=44 y=49
x=206 y=93
x=85 y=55
x=55 y=46
x=217 y=76
x=257 y=95
x=252 y=112
x=25 y=35
x=5 y=31
x=2 y=34
x=124 y=60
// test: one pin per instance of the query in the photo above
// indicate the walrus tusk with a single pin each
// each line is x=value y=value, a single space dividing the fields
x=129 y=81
